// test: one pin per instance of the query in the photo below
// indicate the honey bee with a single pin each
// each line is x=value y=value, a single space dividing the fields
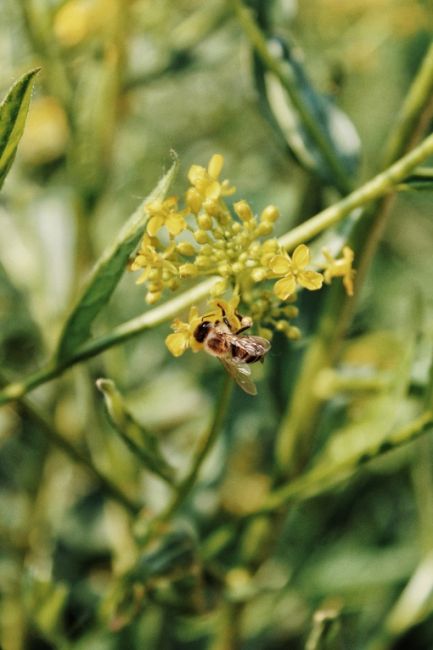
x=234 y=351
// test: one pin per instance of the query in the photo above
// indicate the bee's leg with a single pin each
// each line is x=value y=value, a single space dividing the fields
x=225 y=319
x=244 y=327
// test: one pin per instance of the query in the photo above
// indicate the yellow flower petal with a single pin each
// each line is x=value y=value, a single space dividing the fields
x=215 y=165
x=301 y=256
x=177 y=343
x=154 y=224
x=196 y=174
x=285 y=287
x=310 y=280
x=175 y=223
x=280 y=264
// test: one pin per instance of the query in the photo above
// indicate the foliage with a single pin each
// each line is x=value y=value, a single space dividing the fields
x=147 y=501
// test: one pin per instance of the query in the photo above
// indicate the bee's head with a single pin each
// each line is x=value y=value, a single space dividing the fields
x=202 y=330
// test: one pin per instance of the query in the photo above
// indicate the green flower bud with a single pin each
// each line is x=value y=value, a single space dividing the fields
x=294 y=333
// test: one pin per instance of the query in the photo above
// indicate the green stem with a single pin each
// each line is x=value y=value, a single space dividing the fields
x=415 y=112
x=118 y=335
x=327 y=475
x=37 y=21
x=30 y=411
x=373 y=189
x=258 y=41
x=204 y=448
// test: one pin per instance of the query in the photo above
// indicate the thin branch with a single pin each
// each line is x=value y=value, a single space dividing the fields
x=202 y=452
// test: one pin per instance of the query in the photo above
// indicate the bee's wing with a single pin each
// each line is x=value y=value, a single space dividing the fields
x=241 y=373
x=258 y=341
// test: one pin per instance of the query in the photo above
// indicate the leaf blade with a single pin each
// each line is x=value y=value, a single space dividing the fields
x=286 y=118
x=13 y=114
x=107 y=273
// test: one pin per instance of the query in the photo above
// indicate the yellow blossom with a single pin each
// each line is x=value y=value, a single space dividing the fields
x=165 y=213
x=205 y=184
x=151 y=261
x=183 y=337
x=294 y=273
x=340 y=268
x=226 y=309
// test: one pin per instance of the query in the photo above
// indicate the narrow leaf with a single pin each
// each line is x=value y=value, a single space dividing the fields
x=420 y=179
x=107 y=273
x=286 y=119
x=141 y=442
x=13 y=113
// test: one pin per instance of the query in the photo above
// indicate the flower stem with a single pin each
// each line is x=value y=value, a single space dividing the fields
x=204 y=448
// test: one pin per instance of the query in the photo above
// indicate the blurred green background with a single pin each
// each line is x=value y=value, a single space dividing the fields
x=123 y=83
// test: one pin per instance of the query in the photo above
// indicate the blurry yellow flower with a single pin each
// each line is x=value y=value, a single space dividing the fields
x=340 y=268
x=293 y=270
x=165 y=213
x=205 y=184
x=73 y=22
x=46 y=135
x=183 y=337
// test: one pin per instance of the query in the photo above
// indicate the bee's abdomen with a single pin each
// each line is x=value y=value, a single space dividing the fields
x=217 y=344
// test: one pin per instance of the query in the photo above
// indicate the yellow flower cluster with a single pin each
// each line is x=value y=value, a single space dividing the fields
x=206 y=237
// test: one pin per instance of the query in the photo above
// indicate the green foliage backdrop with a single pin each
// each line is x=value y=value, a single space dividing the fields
x=145 y=500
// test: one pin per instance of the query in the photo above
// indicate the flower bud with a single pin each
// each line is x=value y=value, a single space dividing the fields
x=193 y=200
x=152 y=297
x=215 y=165
x=224 y=269
x=201 y=236
x=243 y=210
x=258 y=274
x=270 y=214
x=205 y=221
x=264 y=228
x=188 y=271
x=185 y=248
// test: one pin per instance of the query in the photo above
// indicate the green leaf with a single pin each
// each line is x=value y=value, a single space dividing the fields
x=141 y=442
x=286 y=119
x=107 y=273
x=13 y=113
x=420 y=179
